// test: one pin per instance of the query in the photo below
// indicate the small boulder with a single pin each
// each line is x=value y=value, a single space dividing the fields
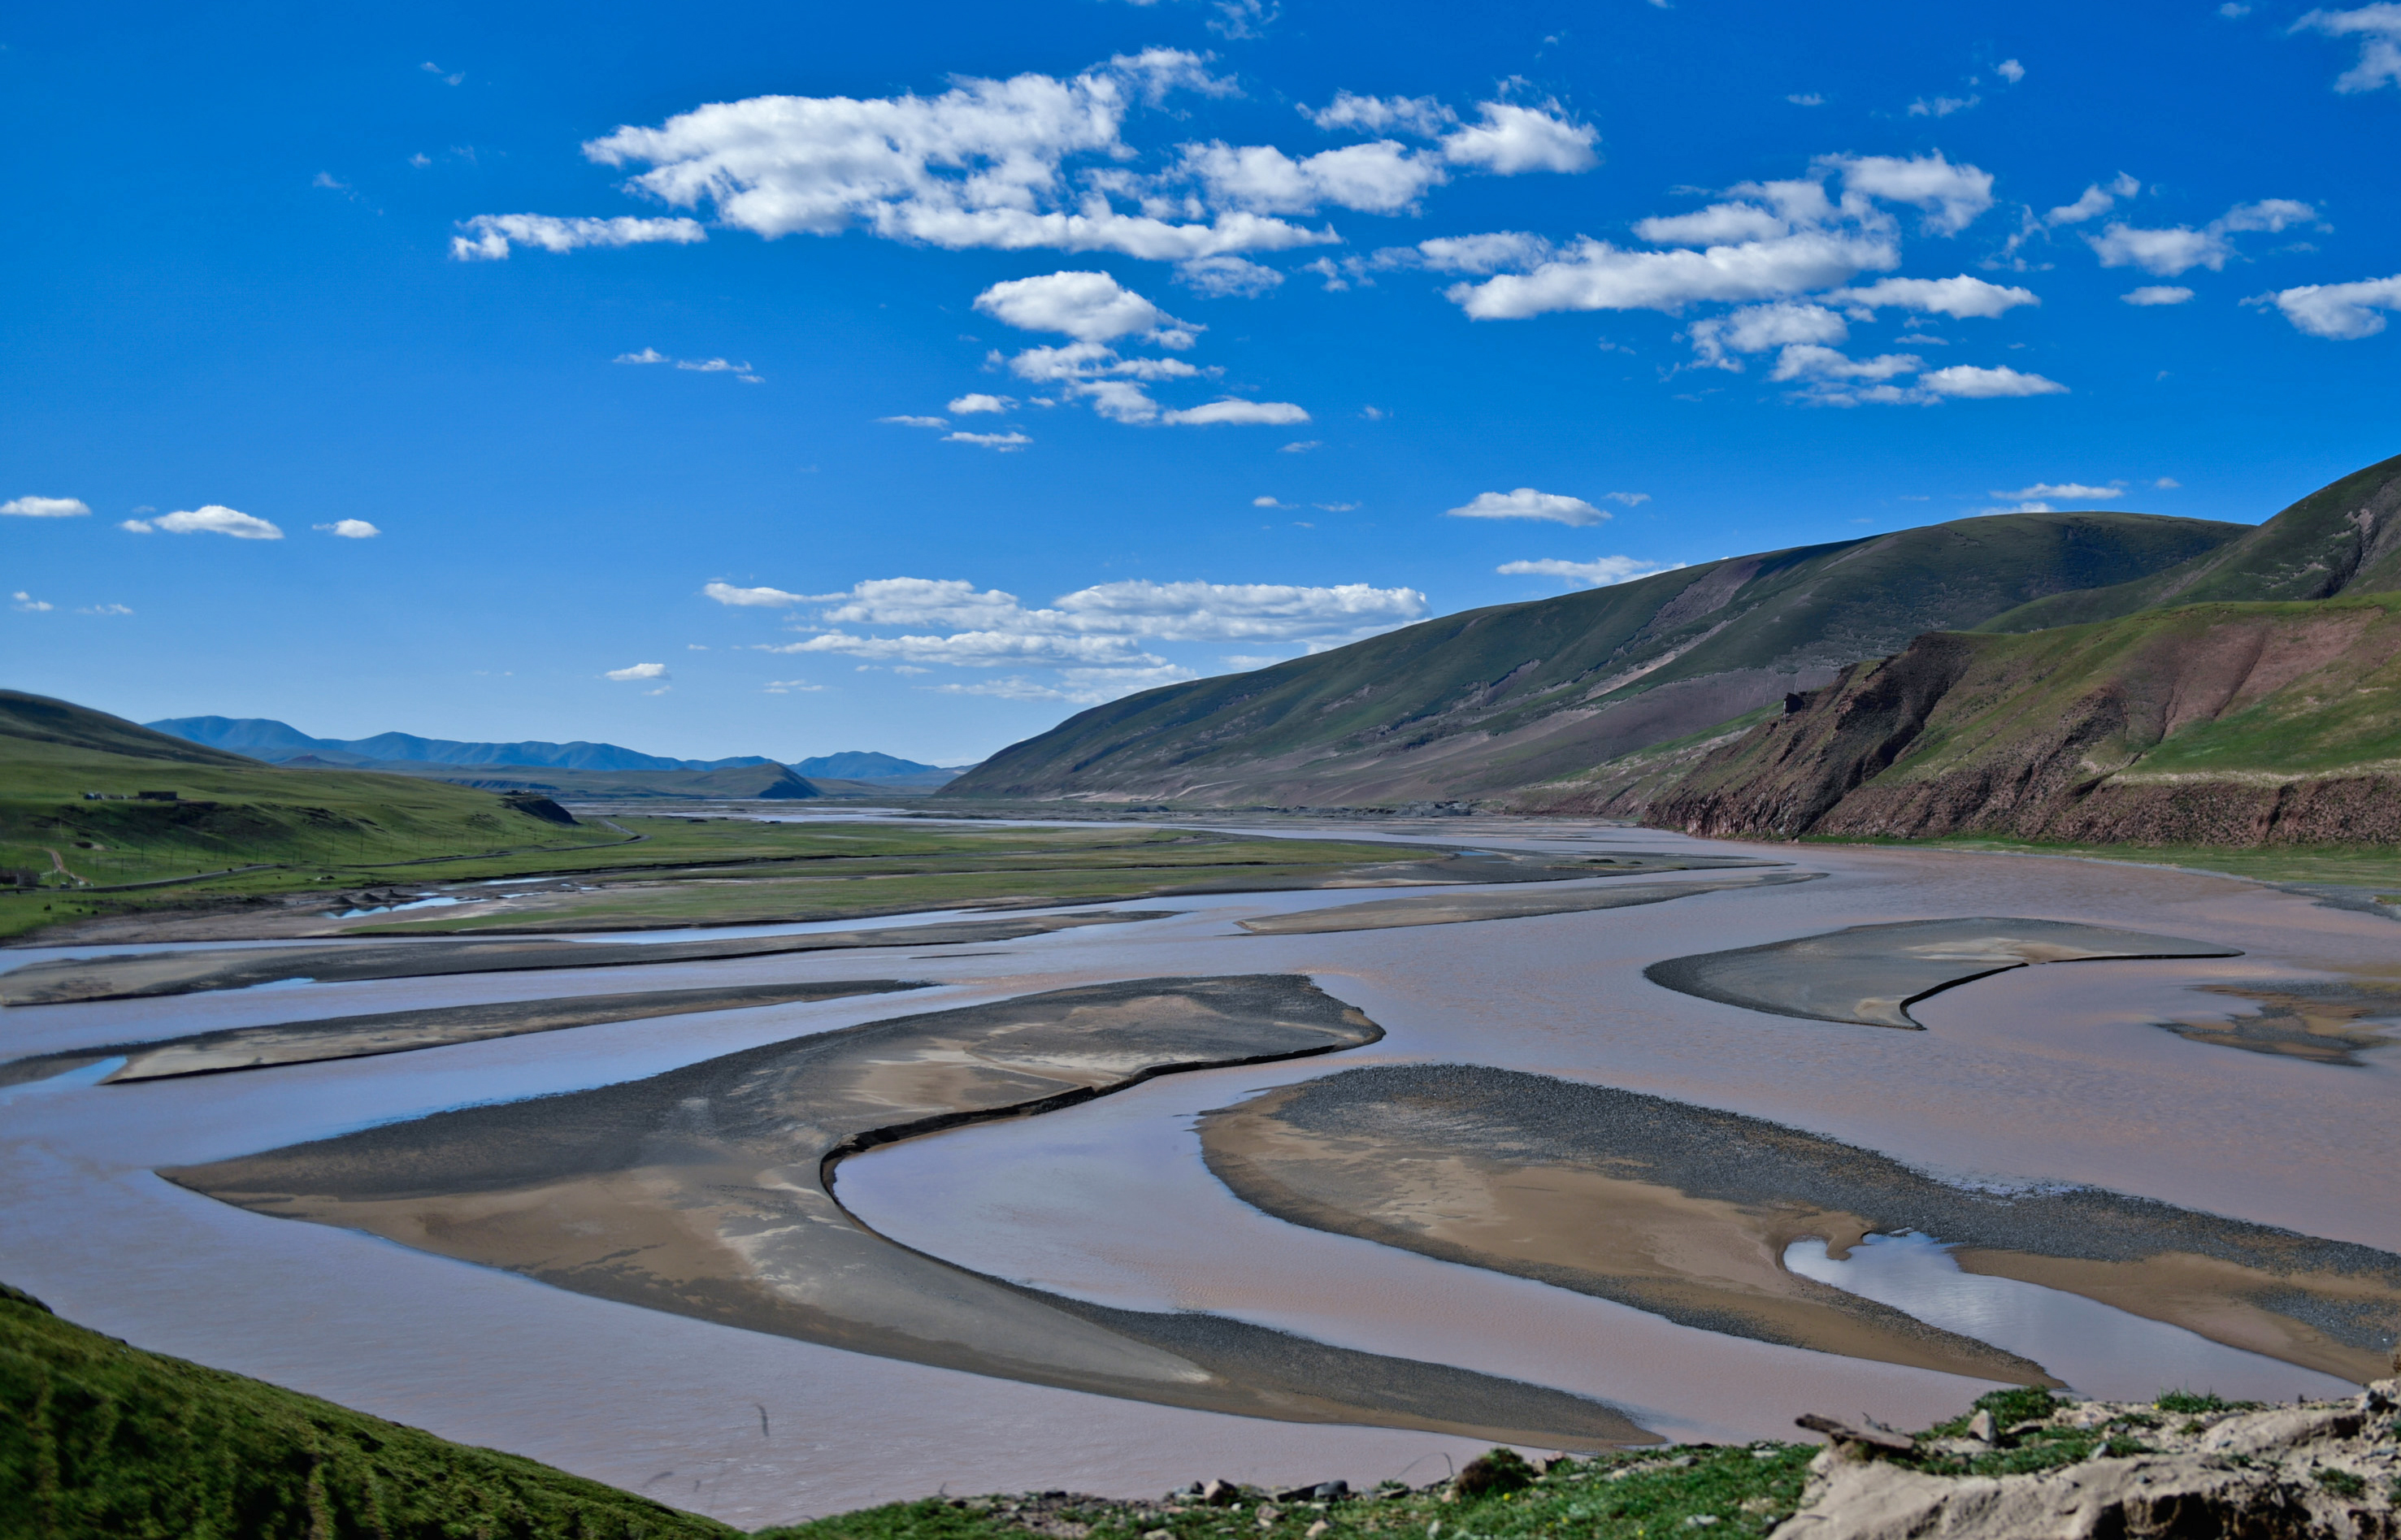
x=1492 y=1473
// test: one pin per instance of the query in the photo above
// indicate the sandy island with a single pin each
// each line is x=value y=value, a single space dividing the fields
x=2328 y=1023
x=1870 y=975
x=1686 y=1212
x=133 y=975
x=403 y=1031
x=1386 y=913
x=707 y=1192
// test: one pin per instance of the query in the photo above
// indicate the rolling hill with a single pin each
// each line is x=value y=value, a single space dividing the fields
x=93 y=801
x=1518 y=704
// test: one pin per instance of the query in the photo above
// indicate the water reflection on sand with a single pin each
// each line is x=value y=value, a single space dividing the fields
x=2049 y=1074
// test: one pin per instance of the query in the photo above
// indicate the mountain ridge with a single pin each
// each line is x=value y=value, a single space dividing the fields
x=267 y=739
x=1492 y=702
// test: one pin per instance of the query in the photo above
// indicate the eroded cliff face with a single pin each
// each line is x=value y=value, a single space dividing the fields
x=2215 y=724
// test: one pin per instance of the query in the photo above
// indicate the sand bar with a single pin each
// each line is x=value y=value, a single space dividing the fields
x=1685 y=1211
x=402 y=1031
x=1385 y=913
x=131 y=975
x=2324 y=1023
x=1870 y=975
x=707 y=1192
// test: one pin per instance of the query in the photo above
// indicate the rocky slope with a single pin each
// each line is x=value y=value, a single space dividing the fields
x=1490 y=702
x=2220 y=724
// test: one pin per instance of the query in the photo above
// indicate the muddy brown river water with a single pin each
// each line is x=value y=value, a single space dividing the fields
x=2053 y=1076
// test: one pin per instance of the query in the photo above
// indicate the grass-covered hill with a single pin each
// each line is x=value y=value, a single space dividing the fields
x=225 y=813
x=1490 y=702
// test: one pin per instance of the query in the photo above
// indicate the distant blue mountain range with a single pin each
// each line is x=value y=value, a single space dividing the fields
x=263 y=738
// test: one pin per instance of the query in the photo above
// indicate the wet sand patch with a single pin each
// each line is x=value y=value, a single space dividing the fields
x=1870 y=975
x=709 y=1192
x=135 y=975
x=2329 y=1023
x=1467 y=907
x=403 y=1031
x=1686 y=1212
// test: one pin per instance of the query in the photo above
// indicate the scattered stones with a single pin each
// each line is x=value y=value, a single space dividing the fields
x=1843 y=1436
x=2319 y=1471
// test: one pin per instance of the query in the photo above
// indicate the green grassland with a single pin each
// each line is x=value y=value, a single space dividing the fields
x=736 y=872
x=307 y=827
x=244 y=833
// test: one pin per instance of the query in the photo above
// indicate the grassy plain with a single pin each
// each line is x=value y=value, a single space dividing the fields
x=735 y=872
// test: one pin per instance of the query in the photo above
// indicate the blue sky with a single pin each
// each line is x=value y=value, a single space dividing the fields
x=549 y=372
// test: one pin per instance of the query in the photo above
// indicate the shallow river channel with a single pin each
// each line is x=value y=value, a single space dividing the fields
x=2037 y=1079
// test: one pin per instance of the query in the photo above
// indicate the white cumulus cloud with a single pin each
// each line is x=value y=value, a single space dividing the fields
x=639 y=671
x=30 y=604
x=1527 y=503
x=752 y=598
x=45 y=508
x=1006 y=443
x=2179 y=248
x=1950 y=196
x=1422 y=115
x=2377 y=27
x=1961 y=298
x=1096 y=640
x=1600 y=572
x=2343 y=312
x=1969 y=382
x=1088 y=306
x=1508 y=140
x=210 y=518
x=1382 y=177
x=2157 y=294
x=983 y=164
x=489 y=236
x=969 y=405
x=917 y=422
x=350 y=529
x=2072 y=491
x=1270 y=413
x=2096 y=200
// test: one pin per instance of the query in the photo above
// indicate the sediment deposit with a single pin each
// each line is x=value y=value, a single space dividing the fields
x=1686 y=1212
x=709 y=1192
x=1870 y=975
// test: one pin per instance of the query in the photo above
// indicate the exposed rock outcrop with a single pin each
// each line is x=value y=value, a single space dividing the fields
x=2328 y=1471
x=2238 y=725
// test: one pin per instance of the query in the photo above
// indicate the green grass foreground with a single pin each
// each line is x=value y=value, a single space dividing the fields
x=101 y=1441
